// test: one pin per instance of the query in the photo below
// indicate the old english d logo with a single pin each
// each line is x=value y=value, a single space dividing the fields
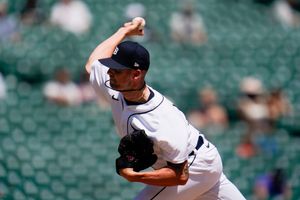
x=116 y=51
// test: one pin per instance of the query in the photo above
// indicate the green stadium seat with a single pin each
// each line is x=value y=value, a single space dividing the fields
x=2 y=154
x=74 y=194
x=27 y=170
x=30 y=188
x=89 y=161
x=18 y=136
x=14 y=179
x=69 y=178
x=43 y=134
x=116 y=198
x=80 y=170
x=38 y=162
x=18 y=195
x=48 y=153
x=3 y=172
x=65 y=161
x=86 y=188
x=95 y=177
x=101 y=194
x=4 y=124
x=23 y=153
x=33 y=143
x=58 y=188
x=42 y=178
x=46 y=194
x=8 y=145
x=243 y=185
x=54 y=170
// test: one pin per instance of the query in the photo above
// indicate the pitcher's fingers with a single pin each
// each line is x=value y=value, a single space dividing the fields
x=127 y=24
x=141 y=32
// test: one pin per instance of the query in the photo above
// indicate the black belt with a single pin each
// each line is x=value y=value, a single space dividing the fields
x=199 y=144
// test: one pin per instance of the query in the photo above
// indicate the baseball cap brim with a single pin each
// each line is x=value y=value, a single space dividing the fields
x=110 y=63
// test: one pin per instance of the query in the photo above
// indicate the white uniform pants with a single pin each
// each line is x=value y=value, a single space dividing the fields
x=206 y=181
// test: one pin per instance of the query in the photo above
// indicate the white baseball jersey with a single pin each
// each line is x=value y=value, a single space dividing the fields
x=174 y=139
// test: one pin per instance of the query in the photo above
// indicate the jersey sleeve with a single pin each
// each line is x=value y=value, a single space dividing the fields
x=98 y=79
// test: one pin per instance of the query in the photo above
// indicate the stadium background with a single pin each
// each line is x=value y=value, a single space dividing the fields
x=52 y=152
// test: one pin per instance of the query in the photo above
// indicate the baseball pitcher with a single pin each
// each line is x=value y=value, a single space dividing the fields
x=185 y=166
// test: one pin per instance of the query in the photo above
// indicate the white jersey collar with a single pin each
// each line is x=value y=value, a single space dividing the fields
x=154 y=102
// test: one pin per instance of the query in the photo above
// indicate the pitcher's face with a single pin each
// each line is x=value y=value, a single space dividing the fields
x=120 y=79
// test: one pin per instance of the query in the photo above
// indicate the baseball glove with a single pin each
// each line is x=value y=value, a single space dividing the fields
x=136 y=151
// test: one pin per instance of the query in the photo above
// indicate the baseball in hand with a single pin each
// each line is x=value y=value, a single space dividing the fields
x=141 y=21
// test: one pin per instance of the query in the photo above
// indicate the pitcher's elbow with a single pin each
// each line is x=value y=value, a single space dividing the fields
x=183 y=180
x=88 y=68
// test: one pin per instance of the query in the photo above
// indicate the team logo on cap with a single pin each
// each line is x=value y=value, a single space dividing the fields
x=136 y=64
x=116 y=51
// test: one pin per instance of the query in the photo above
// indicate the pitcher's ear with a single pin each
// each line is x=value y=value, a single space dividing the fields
x=137 y=73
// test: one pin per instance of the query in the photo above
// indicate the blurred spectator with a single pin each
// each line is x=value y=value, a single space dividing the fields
x=252 y=105
x=2 y=87
x=9 y=28
x=62 y=90
x=285 y=14
x=187 y=26
x=210 y=114
x=253 y=109
x=71 y=15
x=133 y=10
x=278 y=105
x=30 y=13
x=87 y=93
x=266 y=144
x=246 y=148
x=272 y=186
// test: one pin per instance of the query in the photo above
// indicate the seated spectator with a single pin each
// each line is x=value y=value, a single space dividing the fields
x=285 y=14
x=187 y=26
x=210 y=114
x=133 y=10
x=278 y=105
x=252 y=105
x=62 y=90
x=2 y=87
x=87 y=93
x=253 y=110
x=71 y=15
x=246 y=148
x=9 y=27
x=272 y=186
x=30 y=13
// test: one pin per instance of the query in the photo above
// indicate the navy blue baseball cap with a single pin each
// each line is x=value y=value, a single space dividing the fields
x=128 y=55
